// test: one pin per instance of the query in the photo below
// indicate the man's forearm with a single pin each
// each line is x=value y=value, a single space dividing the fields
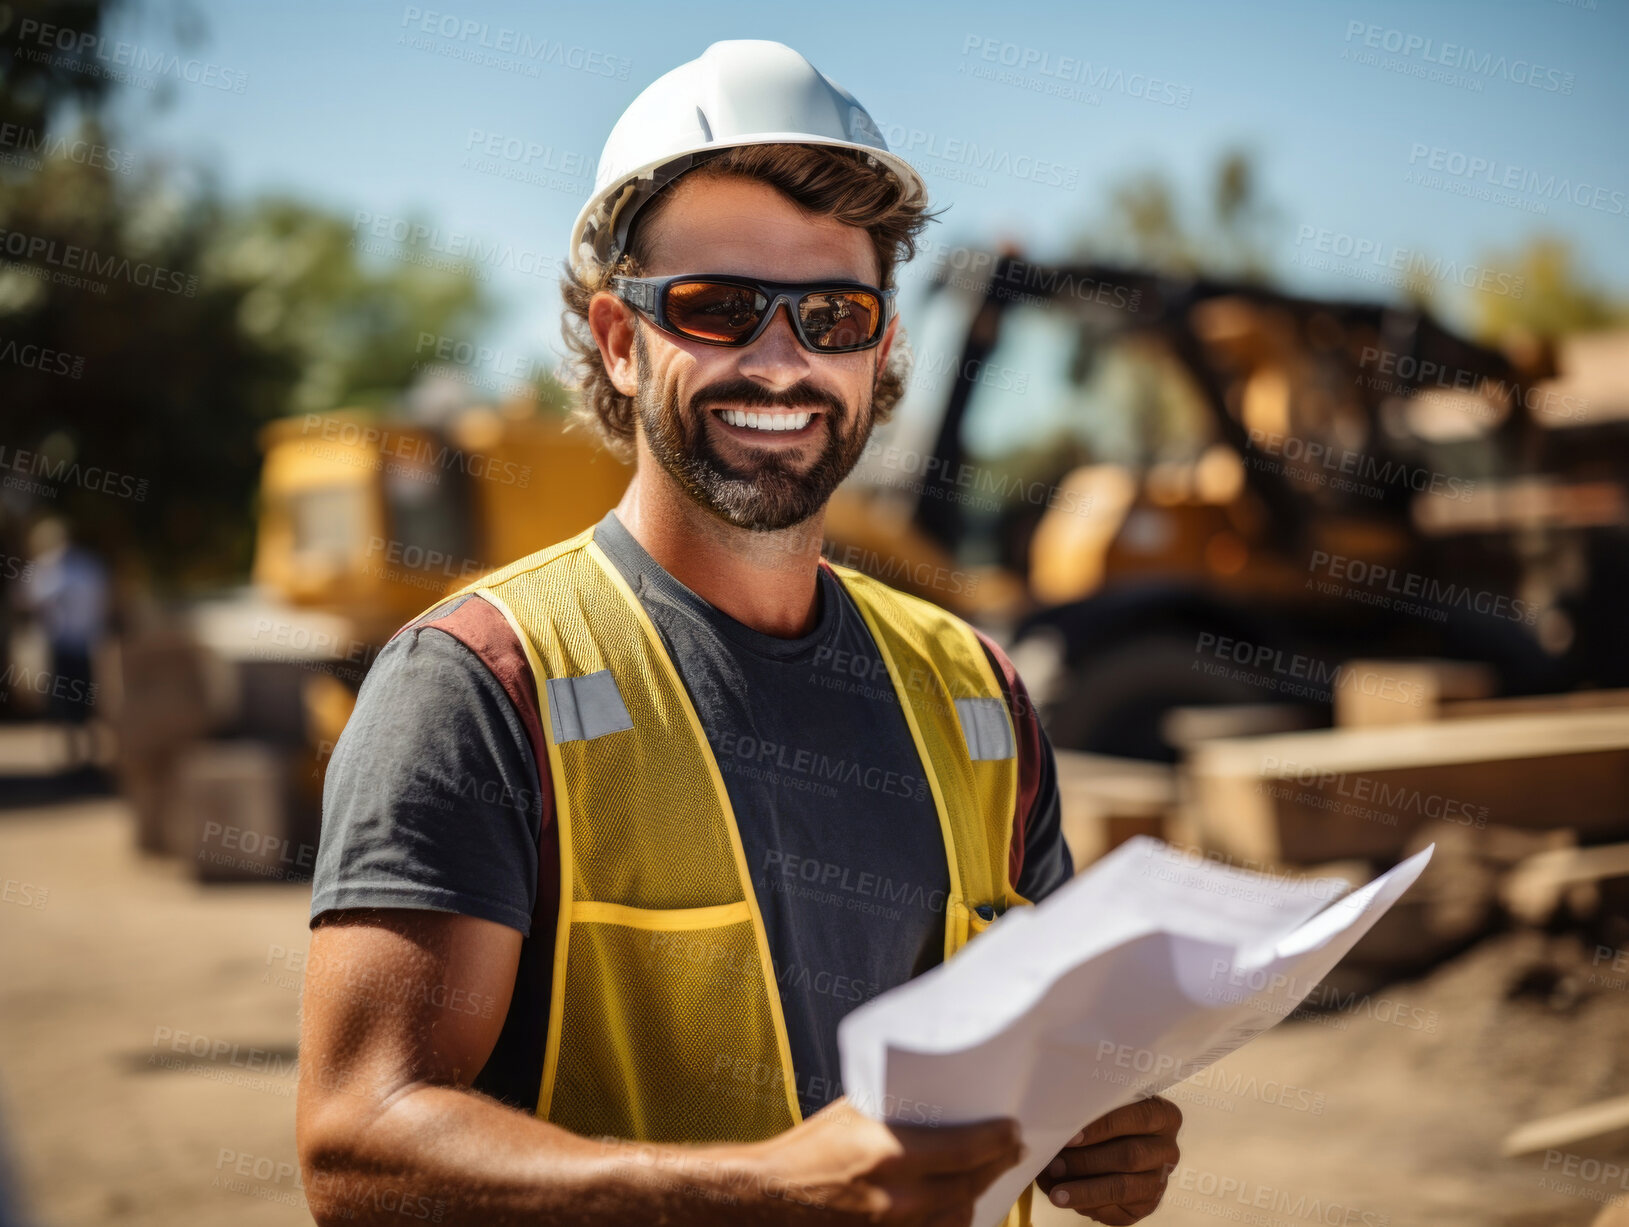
x=450 y=1156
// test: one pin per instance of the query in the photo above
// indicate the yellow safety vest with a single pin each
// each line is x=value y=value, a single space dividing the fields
x=665 y=1021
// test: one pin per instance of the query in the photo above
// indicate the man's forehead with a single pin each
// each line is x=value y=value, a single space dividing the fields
x=734 y=225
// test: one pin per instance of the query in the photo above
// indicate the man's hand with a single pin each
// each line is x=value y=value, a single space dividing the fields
x=1114 y=1170
x=840 y=1166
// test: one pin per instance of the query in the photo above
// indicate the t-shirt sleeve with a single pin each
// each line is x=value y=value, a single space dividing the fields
x=432 y=798
x=1040 y=857
x=1047 y=860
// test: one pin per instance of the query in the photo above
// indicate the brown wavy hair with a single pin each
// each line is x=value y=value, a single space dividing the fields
x=823 y=181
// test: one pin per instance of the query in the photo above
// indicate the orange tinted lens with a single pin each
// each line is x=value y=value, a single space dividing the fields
x=840 y=319
x=714 y=311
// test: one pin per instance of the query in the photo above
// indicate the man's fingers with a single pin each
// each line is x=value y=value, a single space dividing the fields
x=959 y=1148
x=1122 y=1190
x=967 y=1187
x=1121 y=1216
x=1144 y=1153
x=922 y=1199
x=1152 y=1115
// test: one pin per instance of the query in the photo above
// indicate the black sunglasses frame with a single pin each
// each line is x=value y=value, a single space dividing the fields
x=648 y=296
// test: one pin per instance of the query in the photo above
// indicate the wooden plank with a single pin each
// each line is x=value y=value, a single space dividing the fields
x=1407 y=691
x=1485 y=740
x=1567 y=1128
x=1536 y=887
x=1328 y=794
x=1578 y=700
x=1186 y=726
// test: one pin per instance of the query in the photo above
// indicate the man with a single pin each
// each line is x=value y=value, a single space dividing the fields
x=65 y=587
x=616 y=837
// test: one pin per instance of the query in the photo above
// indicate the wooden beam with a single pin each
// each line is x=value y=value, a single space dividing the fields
x=1567 y=1128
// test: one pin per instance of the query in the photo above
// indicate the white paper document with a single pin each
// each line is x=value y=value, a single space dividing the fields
x=1135 y=975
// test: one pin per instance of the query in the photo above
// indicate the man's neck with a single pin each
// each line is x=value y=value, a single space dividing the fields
x=768 y=581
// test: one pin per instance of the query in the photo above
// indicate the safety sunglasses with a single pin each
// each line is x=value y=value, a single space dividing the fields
x=829 y=317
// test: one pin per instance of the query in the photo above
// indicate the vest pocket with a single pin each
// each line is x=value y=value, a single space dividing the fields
x=666 y=1029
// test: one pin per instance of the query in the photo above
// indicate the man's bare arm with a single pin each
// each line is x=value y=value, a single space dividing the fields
x=402 y=1009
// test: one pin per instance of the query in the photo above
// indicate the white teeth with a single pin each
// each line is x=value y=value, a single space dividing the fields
x=766 y=421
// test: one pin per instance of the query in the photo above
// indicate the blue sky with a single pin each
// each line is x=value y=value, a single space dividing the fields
x=340 y=106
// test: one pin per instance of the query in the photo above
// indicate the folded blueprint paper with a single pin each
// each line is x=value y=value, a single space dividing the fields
x=1137 y=974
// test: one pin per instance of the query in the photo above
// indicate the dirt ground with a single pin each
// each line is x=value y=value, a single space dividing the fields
x=149 y=1027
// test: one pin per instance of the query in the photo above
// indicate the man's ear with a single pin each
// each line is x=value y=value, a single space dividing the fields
x=612 y=323
x=886 y=345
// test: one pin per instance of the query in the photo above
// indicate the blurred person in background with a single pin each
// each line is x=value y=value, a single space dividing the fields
x=65 y=590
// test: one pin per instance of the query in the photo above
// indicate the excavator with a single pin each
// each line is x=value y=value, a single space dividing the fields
x=1140 y=469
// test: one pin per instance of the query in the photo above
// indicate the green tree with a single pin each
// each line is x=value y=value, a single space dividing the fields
x=178 y=324
x=1147 y=224
x=1555 y=297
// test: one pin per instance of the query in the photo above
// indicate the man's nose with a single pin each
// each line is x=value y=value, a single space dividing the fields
x=777 y=357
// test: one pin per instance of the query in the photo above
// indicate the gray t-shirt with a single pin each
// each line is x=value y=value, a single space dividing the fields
x=433 y=800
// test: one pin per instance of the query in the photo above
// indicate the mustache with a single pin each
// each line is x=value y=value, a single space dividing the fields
x=802 y=395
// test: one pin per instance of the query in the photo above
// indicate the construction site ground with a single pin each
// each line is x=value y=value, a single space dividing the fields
x=149 y=1028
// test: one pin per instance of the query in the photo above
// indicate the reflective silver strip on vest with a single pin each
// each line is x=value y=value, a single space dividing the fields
x=583 y=708
x=984 y=725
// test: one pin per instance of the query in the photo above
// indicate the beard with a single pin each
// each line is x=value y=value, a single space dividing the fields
x=770 y=491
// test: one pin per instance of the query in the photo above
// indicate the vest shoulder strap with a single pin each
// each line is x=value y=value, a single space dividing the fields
x=511 y=571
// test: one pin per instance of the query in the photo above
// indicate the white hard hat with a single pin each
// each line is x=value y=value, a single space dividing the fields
x=738 y=92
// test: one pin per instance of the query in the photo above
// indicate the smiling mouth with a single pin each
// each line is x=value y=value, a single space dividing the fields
x=783 y=422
